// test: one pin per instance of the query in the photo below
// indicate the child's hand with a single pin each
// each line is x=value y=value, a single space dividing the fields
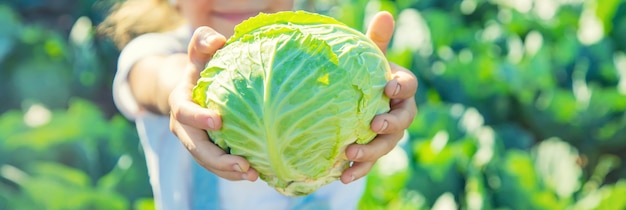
x=189 y=121
x=390 y=126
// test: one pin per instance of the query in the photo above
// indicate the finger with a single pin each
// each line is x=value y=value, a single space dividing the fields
x=230 y=175
x=186 y=136
x=356 y=171
x=399 y=118
x=203 y=45
x=251 y=175
x=378 y=147
x=189 y=113
x=185 y=111
x=212 y=157
x=403 y=85
x=380 y=30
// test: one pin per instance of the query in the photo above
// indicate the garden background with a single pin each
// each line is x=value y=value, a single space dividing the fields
x=522 y=105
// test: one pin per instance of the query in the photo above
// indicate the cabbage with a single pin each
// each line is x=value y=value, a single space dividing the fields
x=294 y=89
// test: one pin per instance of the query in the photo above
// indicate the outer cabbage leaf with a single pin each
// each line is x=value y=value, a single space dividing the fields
x=294 y=89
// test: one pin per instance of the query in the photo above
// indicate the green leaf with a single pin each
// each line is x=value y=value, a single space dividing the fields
x=55 y=186
x=476 y=191
x=612 y=196
x=517 y=185
x=402 y=4
x=112 y=180
x=352 y=14
x=82 y=122
x=605 y=11
x=391 y=169
x=105 y=200
x=144 y=204
x=402 y=58
x=513 y=136
x=560 y=104
x=435 y=118
x=11 y=123
x=64 y=174
x=280 y=18
x=442 y=27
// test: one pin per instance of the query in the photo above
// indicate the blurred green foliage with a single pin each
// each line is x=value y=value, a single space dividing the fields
x=522 y=105
x=62 y=143
x=52 y=46
x=69 y=159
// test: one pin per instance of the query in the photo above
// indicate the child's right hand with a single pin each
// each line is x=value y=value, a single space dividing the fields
x=188 y=120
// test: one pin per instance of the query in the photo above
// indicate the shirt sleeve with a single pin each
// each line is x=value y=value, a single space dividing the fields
x=140 y=47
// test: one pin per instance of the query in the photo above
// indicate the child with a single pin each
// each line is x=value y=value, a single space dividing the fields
x=165 y=44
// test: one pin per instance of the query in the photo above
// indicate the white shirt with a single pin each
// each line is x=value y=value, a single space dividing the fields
x=168 y=161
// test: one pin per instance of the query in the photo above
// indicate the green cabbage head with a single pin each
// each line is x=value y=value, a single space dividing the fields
x=294 y=89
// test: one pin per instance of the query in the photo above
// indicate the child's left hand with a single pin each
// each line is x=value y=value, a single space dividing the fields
x=389 y=126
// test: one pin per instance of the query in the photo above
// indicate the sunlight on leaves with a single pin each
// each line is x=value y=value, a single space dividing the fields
x=13 y=174
x=81 y=31
x=445 y=202
x=556 y=163
x=412 y=33
x=37 y=115
x=620 y=63
x=591 y=28
x=61 y=173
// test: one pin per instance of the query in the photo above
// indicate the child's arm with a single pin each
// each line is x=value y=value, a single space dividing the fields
x=148 y=69
x=152 y=79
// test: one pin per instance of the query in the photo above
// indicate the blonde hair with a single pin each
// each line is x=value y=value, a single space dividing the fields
x=132 y=18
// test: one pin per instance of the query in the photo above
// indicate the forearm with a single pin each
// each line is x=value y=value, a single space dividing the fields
x=153 y=78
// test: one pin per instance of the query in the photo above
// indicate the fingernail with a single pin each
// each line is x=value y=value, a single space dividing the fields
x=237 y=168
x=397 y=90
x=359 y=154
x=351 y=178
x=384 y=126
x=207 y=39
x=244 y=176
x=211 y=123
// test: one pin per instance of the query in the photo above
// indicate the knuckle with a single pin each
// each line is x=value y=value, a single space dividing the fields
x=406 y=122
x=364 y=168
x=226 y=175
x=172 y=127
x=173 y=130
x=230 y=177
x=389 y=145
x=222 y=167
x=396 y=125
x=174 y=112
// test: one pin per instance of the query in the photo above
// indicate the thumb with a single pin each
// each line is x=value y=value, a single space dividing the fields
x=381 y=29
x=203 y=45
